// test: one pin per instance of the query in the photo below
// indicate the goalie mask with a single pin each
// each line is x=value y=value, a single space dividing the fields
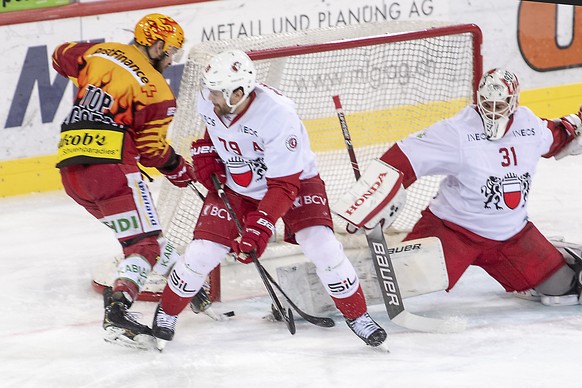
x=156 y=26
x=229 y=71
x=497 y=100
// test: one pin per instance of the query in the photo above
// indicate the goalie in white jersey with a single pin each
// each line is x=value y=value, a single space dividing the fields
x=488 y=154
x=258 y=145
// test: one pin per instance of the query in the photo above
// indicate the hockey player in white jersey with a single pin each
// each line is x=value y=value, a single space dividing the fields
x=256 y=143
x=488 y=154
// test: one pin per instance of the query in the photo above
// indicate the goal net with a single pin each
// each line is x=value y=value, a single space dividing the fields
x=393 y=79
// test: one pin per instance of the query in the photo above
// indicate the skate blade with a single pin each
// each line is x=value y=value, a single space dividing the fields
x=271 y=318
x=161 y=344
x=118 y=336
x=209 y=312
x=382 y=348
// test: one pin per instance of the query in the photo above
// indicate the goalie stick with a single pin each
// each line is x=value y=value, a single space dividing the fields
x=266 y=276
x=383 y=266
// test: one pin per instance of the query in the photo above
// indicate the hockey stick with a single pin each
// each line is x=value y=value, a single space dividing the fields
x=383 y=264
x=286 y=315
x=574 y=255
x=318 y=321
x=200 y=195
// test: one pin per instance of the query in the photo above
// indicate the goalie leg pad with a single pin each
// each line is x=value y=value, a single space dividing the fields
x=419 y=265
x=560 y=283
x=377 y=196
x=564 y=286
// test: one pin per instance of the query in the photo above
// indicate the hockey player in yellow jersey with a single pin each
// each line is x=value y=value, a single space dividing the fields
x=119 y=120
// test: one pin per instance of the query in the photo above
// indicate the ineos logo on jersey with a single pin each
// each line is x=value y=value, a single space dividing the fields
x=309 y=200
x=247 y=130
x=524 y=132
x=476 y=136
x=209 y=120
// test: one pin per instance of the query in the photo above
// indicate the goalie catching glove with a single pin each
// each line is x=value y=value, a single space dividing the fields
x=573 y=125
x=207 y=162
x=257 y=231
x=377 y=197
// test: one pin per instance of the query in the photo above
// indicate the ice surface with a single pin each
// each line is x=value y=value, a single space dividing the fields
x=51 y=335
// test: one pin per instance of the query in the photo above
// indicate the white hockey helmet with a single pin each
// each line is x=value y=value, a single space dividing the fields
x=497 y=99
x=229 y=71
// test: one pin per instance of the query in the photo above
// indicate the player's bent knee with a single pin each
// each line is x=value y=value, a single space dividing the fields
x=184 y=281
x=203 y=255
x=191 y=269
x=340 y=281
x=320 y=245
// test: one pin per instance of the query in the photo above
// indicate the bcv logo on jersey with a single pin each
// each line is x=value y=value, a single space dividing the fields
x=301 y=200
x=511 y=189
x=215 y=211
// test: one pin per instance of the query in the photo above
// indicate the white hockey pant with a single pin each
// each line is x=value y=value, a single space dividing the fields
x=333 y=268
x=192 y=268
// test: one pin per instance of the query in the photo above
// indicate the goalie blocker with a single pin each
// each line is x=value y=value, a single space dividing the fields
x=377 y=197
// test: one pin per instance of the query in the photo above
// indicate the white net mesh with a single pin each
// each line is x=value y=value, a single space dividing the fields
x=393 y=79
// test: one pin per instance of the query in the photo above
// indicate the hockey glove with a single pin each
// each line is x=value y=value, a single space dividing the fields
x=181 y=175
x=207 y=162
x=258 y=229
x=378 y=197
x=573 y=125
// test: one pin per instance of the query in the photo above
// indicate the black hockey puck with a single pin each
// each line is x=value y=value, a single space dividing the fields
x=229 y=313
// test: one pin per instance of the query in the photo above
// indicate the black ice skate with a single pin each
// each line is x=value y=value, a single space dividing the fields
x=367 y=329
x=121 y=326
x=164 y=327
x=200 y=302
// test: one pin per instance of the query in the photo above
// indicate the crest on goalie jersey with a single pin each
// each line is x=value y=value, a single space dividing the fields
x=510 y=189
x=244 y=171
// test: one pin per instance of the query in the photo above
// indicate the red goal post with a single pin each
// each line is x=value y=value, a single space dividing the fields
x=394 y=79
